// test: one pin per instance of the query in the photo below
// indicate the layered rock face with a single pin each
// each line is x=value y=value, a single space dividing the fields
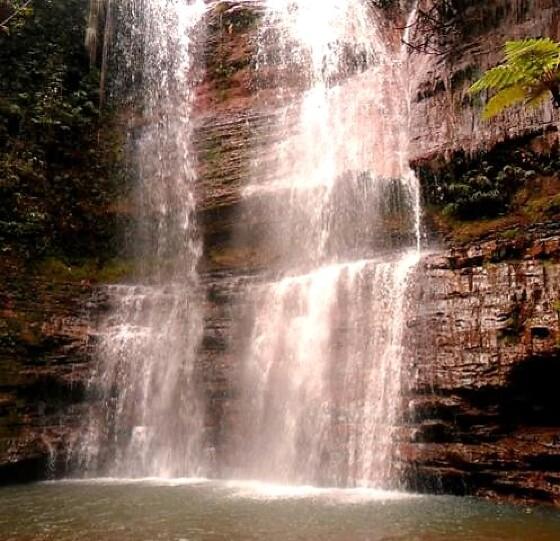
x=484 y=324
x=45 y=357
x=59 y=228
x=483 y=401
x=450 y=119
x=482 y=406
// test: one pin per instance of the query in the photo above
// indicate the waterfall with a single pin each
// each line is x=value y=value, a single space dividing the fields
x=319 y=387
x=149 y=418
x=322 y=373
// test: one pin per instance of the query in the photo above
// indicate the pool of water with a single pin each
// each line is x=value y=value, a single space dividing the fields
x=193 y=510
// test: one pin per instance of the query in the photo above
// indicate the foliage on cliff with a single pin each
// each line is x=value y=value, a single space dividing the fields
x=530 y=74
x=514 y=184
x=57 y=167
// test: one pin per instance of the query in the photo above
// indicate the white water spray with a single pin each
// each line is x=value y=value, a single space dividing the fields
x=150 y=416
x=322 y=375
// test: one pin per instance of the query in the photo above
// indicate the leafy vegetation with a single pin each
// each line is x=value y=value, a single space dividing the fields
x=13 y=13
x=48 y=95
x=530 y=74
x=475 y=188
x=58 y=176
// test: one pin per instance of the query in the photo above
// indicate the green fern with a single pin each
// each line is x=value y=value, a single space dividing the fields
x=542 y=49
x=505 y=98
x=531 y=72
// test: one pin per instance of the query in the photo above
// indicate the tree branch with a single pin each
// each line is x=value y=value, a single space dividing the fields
x=14 y=14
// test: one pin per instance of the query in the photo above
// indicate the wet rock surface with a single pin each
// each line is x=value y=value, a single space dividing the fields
x=483 y=400
x=45 y=356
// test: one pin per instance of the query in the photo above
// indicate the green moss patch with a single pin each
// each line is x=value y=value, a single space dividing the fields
x=59 y=270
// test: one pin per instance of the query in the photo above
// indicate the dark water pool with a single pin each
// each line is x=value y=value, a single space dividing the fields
x=187 y=510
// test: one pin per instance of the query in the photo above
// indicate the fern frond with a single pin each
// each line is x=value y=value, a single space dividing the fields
x=531 y=70
x=499 y=77
x=502 y=100
x=534 y=56
x=540 y=47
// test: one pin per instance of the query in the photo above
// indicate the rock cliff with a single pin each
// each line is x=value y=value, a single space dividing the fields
x=485 y=360
x=484 y=324
x=484 y=341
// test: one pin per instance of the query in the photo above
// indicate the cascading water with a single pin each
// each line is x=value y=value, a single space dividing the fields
x=322 y=373
x=150 y=416
x=321 y=376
